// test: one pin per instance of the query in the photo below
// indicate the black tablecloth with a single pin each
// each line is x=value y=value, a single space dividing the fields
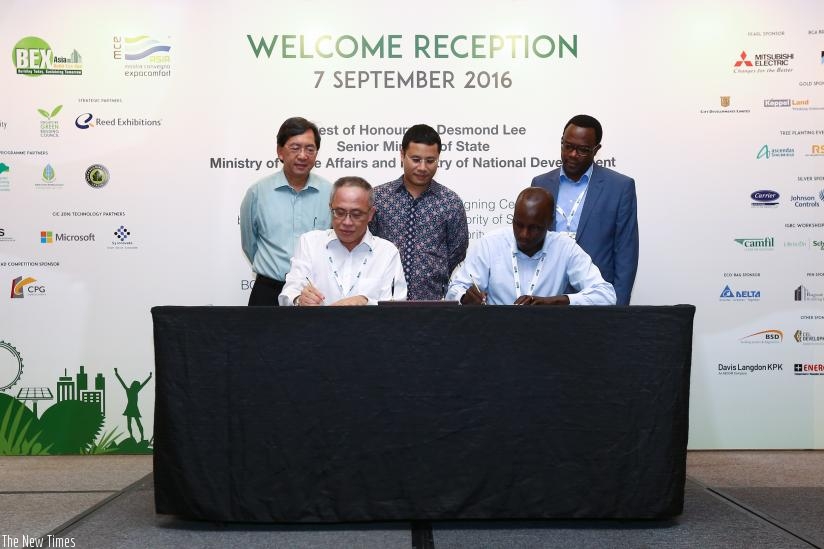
x=421 y=413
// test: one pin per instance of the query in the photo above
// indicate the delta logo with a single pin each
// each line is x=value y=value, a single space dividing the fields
x=728 y=294
x=761 y=244
x=763 y=337
x=765 y=199
x=23 y=286
x=33 y=56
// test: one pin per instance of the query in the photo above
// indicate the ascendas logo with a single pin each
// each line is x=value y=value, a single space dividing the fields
x=766 y=243
x=767 y=152
x=49 y=237
x=18 y=284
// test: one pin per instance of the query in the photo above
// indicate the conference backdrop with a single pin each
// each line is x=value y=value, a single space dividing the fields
x=129 y=134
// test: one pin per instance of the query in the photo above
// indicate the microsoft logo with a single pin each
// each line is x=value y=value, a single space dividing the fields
x=46 y=237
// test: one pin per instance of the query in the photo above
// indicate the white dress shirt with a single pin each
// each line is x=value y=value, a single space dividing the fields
x=560 y=260
x=372 y=269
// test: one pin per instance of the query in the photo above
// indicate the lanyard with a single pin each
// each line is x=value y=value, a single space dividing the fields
x=518 y=276
x=337 y=276
x=574 y=208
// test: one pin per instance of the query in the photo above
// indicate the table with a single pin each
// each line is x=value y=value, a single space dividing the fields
x=421 y=413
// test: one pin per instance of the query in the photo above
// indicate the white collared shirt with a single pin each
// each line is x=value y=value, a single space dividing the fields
x=371 y=269
x=489 y=261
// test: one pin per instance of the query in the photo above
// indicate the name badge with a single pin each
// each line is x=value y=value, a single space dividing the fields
x=570 y=234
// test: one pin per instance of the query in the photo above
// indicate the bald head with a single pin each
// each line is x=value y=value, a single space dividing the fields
x=532 y=218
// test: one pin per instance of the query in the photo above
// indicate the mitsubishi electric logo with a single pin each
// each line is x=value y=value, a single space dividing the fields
x=743 y=60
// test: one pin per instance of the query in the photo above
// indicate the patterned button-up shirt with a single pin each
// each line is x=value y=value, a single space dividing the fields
x=430 y=232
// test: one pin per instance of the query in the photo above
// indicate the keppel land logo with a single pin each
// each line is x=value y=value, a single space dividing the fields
x=18 y=284
x=33 y=56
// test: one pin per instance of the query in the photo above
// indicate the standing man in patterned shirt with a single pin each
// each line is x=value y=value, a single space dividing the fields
x=424 y=219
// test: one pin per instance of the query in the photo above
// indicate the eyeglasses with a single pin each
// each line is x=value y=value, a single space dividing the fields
x=429 y=161
x=583 y=150
x=310 y=150
x=356 y=215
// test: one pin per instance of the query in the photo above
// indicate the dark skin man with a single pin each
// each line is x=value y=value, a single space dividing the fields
x=532 y=218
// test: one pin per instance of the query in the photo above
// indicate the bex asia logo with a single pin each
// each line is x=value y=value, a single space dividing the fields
x=34 y=57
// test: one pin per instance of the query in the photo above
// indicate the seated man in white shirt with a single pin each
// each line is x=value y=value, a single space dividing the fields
x=347 y=264
x=529 y=265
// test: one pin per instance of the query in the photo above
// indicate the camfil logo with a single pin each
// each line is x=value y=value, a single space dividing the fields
x=766 y=243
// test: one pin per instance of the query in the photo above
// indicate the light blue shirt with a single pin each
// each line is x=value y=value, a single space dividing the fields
x=489 y=261
x=568 y=193
x=273 y=216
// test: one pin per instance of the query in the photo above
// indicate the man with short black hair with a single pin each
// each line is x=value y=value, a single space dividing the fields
x=528 y=265
x=424 y=219
x=280 y=207
x=346 y=265
x=596 y=206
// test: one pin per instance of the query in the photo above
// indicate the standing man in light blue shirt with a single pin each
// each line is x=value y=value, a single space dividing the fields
x=280 y=207
x=529 y=265
x=596 y=206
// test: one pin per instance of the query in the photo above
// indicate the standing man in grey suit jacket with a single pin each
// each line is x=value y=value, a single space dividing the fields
x=594 y=205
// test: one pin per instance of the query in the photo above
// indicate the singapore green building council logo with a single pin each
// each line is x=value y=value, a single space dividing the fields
x=32 y=56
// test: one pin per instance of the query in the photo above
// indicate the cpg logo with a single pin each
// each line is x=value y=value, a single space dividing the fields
x=84 y=121
x=21 y=286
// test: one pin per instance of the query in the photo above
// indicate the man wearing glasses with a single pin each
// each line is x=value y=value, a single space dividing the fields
x=346 y=265
x=280 y=207
x=424 y=219
x=595 y=206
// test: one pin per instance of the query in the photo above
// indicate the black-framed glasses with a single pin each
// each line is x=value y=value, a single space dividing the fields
x=356 y=215
x=583 y=150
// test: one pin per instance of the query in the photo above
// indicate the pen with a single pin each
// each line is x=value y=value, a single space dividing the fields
x=392 y=290
x=475 y=284
x=309 y=281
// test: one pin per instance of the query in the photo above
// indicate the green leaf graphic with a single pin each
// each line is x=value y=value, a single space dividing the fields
x=56 y=110
x=44 y=113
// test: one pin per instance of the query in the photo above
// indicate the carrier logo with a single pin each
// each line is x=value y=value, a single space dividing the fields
x=727 y=294
x=764 y=199
x=764 y=337
x=97 y=176
x=806 y=338
x=767 y=152
x=808 y=369
x=18 y=284
x=766 y=243
x=802 y=293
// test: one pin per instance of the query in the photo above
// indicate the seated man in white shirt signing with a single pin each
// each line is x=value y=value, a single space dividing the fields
x=529 y=265
x=347 y=264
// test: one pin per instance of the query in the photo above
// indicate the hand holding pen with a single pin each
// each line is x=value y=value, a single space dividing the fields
x=310 y=295
x=474 y=295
